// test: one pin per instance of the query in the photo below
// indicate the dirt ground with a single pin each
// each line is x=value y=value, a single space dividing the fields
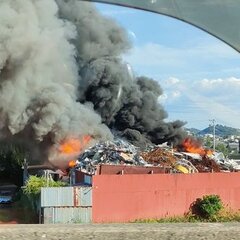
x=208 y=231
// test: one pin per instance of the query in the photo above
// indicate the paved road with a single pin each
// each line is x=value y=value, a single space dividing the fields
x=122 y=231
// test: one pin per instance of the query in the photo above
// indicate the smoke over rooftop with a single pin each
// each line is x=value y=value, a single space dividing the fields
x=61 y=76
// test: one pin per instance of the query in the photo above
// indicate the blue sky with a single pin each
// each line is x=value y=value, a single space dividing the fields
x=199 y=74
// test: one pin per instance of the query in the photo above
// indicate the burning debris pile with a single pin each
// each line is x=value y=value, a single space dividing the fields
x=180 y=160
x=166 y=157
x=205 y=160
x=199 y=156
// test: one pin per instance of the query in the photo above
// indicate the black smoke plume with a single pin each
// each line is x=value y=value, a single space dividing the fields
x=126 y=104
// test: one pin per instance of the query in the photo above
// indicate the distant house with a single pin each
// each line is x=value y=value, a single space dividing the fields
x=233 y=146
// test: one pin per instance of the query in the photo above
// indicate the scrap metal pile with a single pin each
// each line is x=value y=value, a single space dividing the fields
x=166 y=157
x=187 y=162
x=121 y=152
x=110 y=152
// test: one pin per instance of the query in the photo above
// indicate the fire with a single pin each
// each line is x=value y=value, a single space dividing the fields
x=72 y=164
x=193 y=146
x=71 y=146
x=208 y=152
x=74 y=146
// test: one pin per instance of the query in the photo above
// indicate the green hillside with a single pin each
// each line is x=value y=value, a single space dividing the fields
x=220 y=130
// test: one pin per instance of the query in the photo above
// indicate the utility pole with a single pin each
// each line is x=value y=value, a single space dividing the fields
x=213 y=124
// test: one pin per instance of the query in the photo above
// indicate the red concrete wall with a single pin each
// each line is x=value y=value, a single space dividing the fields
x=123 y=198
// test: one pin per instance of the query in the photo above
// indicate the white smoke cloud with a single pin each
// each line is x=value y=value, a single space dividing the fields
x=38 y=74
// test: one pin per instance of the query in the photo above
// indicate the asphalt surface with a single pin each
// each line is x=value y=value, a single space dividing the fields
x=208 y=231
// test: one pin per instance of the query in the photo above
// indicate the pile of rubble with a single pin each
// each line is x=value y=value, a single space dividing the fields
x=110 y=152
x=121 y=152
x=159 y=156
x=214 y=162
x=206 y=164
x=225 y=164
x=167 y=157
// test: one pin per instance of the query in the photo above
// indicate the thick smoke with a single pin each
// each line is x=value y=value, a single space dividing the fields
x=135 y=113
x=39 y=76
x=61 y=75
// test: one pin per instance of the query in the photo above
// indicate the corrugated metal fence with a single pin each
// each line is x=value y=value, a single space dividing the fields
x=66 y=204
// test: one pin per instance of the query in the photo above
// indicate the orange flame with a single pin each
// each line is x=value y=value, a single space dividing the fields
x=193 y=146
x=74 y=146
x=72 y=164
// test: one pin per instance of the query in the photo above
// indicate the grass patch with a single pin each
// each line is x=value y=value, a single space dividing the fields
x=175 y=219
x=224 y=215
x=207 y=209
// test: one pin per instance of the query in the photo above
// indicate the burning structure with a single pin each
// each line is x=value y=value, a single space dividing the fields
x=62 y=80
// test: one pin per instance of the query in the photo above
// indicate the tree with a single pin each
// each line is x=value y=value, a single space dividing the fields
x=208 y=142
x=11 y=159
x=222 y=148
